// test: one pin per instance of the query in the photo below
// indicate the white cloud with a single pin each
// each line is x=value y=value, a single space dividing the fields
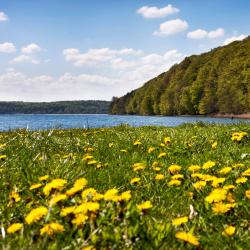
x=3 y=17
x=96 y=56
x=234 y=38
x=24 y=59
x=124 y=71
x=154 y=12
x=31 y=48
x=216 y=33
x=7 y=47
x=171 y=27
x=200 y=33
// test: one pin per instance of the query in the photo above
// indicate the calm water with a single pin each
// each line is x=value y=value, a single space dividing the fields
x=83 y=121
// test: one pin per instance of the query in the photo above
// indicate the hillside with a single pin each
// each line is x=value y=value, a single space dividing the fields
x=63 y=107
x=210 y=83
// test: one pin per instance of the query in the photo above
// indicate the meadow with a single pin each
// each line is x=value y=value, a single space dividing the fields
x=185 y=187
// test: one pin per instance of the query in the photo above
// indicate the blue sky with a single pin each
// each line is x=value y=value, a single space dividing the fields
x=96 y=49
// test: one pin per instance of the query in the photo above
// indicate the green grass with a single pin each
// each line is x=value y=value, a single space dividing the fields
x=120 y=225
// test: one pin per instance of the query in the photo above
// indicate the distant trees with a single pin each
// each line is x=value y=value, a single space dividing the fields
x=65 y=107
x=214 y=82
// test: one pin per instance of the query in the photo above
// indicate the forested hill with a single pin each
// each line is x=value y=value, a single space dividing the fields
x=213 y=82
x=64 y=107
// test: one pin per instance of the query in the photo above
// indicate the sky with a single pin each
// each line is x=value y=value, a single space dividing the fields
x=52 y=50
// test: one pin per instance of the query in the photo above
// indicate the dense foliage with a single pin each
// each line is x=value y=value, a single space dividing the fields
x=186 y=187
x=214 y=82
x=63 y=107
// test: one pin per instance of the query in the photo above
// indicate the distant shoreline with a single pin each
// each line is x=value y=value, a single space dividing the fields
x=241 y=116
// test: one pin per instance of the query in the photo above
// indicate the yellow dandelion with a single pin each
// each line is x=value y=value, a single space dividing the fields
x=151 y=149
x=14 y=228
x=174 y=183
x=187 y=237
x=2 y=157
x=194 y=168
x=247 y=193
x=137 y=142
x=229 y=187
x=135 y=180
x=123 y=151
x=214 y=145
x=36 y=214
x=159 y=177
x=229 y=231
x=35 y=186
x=216 y=181
x=145 y=206
x=173 y=169
x=57 y=198
x=179 y=221
x=208 y=164
x=241 y=180
x=199 y=185
x=57 y=184
x=80 y=219
x=177 y=176
x=87 y=157
x=89 y=248
x=161 y=155
x=111 y=195
x=125 y=196
x=217 y=195
x=225 y=170
x=93 y=162
x=167 y=140
x=221 y=208
x=246 y=172
x=67 y=210
x=78 y=186
x=139 y=166
x=238 y=136
x=14 y=196
x=43 y=178
x=52 y=228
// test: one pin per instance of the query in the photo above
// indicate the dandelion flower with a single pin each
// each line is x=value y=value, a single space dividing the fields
x=159 y=177
x=187 y=237
x=221 y=208
x=174 y=183
x=161 y=155
x=57 y=198
x=56 y=184
x=151 y=149
x=35 y=186
x=111 y=195
x=194 y=168
x=14 y=228
x=173 y=169
x=135 y=180
x=52 y=228
x=80 y=219
x=67 y=210
x=145 y=206
x=179 y=221
x=199 y=185
x=241 y=180
x=15 y=196
x=229 y=231
x=125 y=196
x=36 y=214
x=247 y=193
x=43 y=178
x=208 y=164
x=217 y=195
x=137 y=142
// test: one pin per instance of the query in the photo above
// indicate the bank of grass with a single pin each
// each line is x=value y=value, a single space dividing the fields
x=109 y=158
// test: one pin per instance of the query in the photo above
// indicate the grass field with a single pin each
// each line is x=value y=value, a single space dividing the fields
x=126 y=188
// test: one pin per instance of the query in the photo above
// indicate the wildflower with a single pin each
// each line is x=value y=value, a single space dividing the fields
x=67 y=210
x=14 y=196
x=80 y=219
x=161 y=155
x=238 y=136
x=36 y=214
x=214 y=145
x=174 y=183
x=177 y=176
x=135 y=180
x=239 y=165
x=78 y=186
x=89 y=248
x=167 y=140
x=217 y=195
x=93 y=162
x=246 y=172
x=139 y=166
x=57 y=199
x=199 y=185
x=137 y=142
x=125 y=196
x=56 y=184
x=151 y=149
x=241 y=180
x=88 y=149
x=157 y=169
x=225 y=170
x=216 y=181
x=179 y=221
x=230 y=198
x=173 y=169
x=187 y=237
x=194 y=168
x=221 y=208
x=111 y=195
x=14 y=228
x=208 y=164
x=145 y=206
x=35 y=186
x=52 y=228
x=123 y=151
x=159 y=177
x=228 y=187
x=43 y=178
x=247 y=193
x=229 y=231
x=2 y=157
x=87 y=157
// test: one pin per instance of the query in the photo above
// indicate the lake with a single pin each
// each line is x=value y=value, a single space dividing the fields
x=8 y=122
